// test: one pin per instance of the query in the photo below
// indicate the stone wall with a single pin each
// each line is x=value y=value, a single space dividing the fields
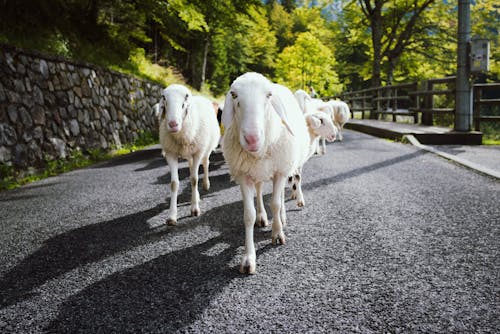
x=50 y=107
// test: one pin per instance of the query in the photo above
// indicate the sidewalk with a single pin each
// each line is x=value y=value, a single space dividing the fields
x=482 y=158
x=428 y=135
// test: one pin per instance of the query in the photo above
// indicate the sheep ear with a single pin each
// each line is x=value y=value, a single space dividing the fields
x=313 y=121
x=281 y=111
x=227 y=112
x=156 y=110
x=161 y=109
x=327 y=109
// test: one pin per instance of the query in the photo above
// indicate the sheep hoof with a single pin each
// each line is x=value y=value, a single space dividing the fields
x=195 y=212
x=261 y=222
x=300 y=204
x=293 y=196
x=279 y=240
x=247 y=266
x=171 y=222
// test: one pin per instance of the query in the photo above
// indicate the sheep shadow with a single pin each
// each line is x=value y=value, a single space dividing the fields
x=362 y=170
x=76 y=248
x=216 y=162
x=133 y=157
x=167 y=293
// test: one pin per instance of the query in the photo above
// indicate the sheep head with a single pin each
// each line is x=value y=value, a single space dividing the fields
x=303 y=99
x=249 y=102
x=174 y=106
x=321 y=124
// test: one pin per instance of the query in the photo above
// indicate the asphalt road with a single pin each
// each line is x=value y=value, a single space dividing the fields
x=392 y=239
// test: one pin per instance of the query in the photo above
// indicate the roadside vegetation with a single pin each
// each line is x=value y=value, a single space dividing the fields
x=12 y=178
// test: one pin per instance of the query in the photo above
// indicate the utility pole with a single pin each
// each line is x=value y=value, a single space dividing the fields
x=463 y=95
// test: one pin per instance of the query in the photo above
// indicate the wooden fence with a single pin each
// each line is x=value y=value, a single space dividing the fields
x=429 y=98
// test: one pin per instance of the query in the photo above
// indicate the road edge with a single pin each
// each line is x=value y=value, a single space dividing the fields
x=471 y=165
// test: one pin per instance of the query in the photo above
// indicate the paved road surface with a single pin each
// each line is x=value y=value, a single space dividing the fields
x=392 y=239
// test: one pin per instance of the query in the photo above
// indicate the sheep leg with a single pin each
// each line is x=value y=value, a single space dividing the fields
x=323 y=146
x=291 y=181
x=206 y=181
x=316 y=147
x=283 y=210
x=195 y=195
x=276 y=205
x=249 y=257
x=261 y=210
x=297 y=183
x=339 y=128
x=174 y=187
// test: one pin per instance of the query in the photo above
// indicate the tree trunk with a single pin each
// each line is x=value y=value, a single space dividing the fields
x=204 y=64
x=390 y=70
x=376 y=25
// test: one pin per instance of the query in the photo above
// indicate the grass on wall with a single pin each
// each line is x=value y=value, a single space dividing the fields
x=12 y=177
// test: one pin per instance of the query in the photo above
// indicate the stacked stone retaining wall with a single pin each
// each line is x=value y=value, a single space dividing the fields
x=51 y=106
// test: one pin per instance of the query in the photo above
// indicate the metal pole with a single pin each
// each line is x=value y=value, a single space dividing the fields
x=463 y=100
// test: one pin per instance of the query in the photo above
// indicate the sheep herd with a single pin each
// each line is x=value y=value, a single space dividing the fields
x=269 y=134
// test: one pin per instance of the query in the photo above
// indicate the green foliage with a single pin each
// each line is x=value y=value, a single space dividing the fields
x=308 y=63
x=139 y=65
x=208 y=43
x=485 y=15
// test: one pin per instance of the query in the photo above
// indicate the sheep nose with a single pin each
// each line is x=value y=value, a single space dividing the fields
x=251 y=139
x=173 y=124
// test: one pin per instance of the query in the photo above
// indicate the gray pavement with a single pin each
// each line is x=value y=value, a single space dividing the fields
x=393 y=238
x=482 y=158
x=487 y=156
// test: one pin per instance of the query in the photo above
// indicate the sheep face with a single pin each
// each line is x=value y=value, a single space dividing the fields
x=321 y=124
x=174 y=106
x=250 y=102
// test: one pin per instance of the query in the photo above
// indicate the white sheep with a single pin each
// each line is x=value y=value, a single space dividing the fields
x=265 y=138
x=188 y=129
x=307 y=105
x=341 y=114
x=319 y=124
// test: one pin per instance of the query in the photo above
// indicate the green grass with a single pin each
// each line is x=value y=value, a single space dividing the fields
x=13 y=178
x=491 y=133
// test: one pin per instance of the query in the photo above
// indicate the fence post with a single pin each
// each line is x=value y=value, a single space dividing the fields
x=363 y=105
x=428 y=103
x=414 y=101
x=395 y=105
x=477 y=108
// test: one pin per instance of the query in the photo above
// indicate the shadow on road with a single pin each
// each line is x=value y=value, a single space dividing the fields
x=76 y=248
x=131 y=158
x=362 y=170
x=167 y=293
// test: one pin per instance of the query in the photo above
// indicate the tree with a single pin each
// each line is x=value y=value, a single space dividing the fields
x=250 y=45
x=485 y=15
x=392 y=25
x=308 y=62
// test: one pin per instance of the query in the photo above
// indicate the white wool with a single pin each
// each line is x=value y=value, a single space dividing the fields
x=188 y=129
x=282 y=151
x=199 y=133
x=265 y=138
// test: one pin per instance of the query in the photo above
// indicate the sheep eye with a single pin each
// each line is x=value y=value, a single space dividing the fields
x=234 y=95
x=187 y=95
x=269 y=95
x=321 y=121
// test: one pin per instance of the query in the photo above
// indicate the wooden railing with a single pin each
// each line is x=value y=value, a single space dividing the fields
x=435 y=96
x=481 y=100
x=425 y=101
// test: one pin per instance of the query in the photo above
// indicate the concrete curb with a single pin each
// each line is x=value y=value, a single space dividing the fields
x=463 y=162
